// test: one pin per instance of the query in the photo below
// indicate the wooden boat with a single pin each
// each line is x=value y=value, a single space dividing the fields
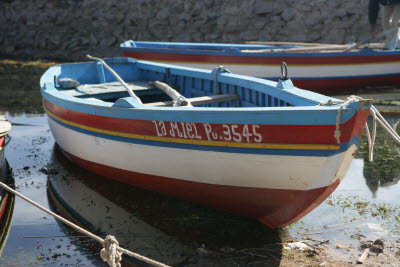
x=6 y=199
x=250 y=146
x=322 y=68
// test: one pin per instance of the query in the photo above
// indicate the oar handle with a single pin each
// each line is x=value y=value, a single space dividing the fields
x=131 y=93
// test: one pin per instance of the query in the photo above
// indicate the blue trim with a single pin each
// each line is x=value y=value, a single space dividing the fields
x=234 y=50
x=315 y=115
x=305 y=109
x=281 y=152
x=334 y=77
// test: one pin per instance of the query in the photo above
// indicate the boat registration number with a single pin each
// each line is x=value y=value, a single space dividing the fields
x=245 y=133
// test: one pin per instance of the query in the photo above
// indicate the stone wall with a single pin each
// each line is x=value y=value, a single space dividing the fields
x=68 y=29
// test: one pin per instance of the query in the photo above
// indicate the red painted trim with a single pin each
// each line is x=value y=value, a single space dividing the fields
x=3 y=203
x=273 y=207
x=271 y=60
x=282 y=134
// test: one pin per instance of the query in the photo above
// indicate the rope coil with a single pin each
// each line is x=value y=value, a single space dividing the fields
x=109 y=253
x=350 y=99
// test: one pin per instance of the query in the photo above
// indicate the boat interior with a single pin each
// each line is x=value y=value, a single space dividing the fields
x=201 y=88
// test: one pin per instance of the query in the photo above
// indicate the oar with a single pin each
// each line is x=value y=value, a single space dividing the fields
x=373 y=38
x=131 y=93
x=285 y=43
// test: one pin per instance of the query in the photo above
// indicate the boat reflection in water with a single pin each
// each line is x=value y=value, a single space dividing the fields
x=169 y=230
x=6 y=199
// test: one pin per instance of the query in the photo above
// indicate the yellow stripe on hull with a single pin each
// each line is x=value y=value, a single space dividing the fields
x=198 y=142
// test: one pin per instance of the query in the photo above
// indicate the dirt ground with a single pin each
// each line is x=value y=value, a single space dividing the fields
x=322 y=256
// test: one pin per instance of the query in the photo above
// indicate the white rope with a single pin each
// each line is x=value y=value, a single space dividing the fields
x=371 y=138
x=112 y=251
x=386 y=125
x=109 y=253
x=377 y=117
x=350 y=99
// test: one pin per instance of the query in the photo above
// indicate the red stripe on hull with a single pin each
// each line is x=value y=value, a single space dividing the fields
x=273 y=207
x=3 y=204
x=272 y=60
x=281 y=134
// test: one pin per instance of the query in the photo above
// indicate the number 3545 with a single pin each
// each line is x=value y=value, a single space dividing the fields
x=243 y=133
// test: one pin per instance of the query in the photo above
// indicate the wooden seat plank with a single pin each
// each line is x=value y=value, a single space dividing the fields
x=197 y=101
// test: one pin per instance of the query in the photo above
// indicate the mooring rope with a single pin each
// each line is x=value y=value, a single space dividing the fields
x=350 y=99
x=376 y=117
x=111 y=252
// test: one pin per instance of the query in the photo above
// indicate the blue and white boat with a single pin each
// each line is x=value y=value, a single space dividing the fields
x=326 y=68
x=255 y=147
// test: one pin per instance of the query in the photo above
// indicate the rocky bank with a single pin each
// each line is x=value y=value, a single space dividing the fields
x=68 y=29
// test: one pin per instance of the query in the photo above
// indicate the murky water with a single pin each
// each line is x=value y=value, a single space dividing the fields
x=366 y=203
x=175 y=231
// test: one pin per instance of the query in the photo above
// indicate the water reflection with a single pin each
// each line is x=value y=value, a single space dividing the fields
x=384 y=170
x=166 y=229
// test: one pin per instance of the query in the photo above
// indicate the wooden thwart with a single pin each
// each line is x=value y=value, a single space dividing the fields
x=179 y=99
x=196 y=101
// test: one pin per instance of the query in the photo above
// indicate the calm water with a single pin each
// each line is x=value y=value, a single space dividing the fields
x=174 y=231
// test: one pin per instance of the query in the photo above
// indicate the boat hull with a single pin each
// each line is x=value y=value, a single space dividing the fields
x=261 y=186
x=273 y=207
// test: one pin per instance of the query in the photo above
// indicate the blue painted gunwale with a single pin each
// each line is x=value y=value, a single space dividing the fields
x=308 y=114
x=309 y=78
x=221 y=49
